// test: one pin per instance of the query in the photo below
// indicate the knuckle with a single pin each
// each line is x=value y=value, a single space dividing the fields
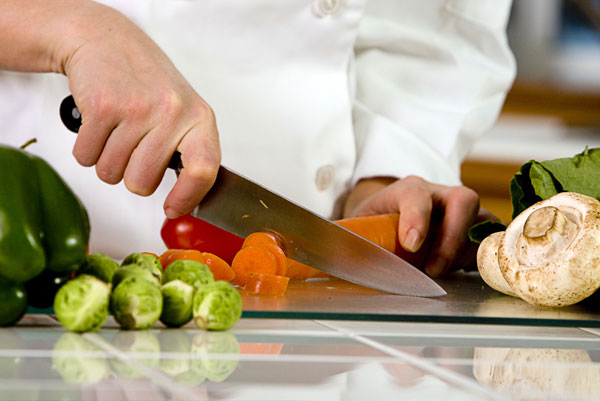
x=414 y=180
x=201 y=111
x=170 y=103
x=101 y=107
x=467 y=195
x=202 y=172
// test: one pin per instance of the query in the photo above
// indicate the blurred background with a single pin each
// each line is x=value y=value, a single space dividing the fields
x=553 y=108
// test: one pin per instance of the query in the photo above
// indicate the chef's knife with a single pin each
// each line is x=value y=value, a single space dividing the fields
x=240 y=206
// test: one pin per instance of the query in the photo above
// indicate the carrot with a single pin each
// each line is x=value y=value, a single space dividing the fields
x=300 y=271
x=266 y=284
x=171 y=255
x=381 y=229
x=219 y=268
x=262 y=237
x=258 y=258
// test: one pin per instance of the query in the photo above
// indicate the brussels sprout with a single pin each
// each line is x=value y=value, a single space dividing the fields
x=99 y=265
x=73 y=358
x=145 y=261
x=136 y=342
x=81 y=304
x=178 y=298
x=136 y=303
x=133 y=270
x=216 y=355
x=190 y=271
x=217 y=306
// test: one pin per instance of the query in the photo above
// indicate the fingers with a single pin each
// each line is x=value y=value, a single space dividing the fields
x=201 y=158
x=134 y=142
x=99 y=118
x=414 y=206
x=460 y=206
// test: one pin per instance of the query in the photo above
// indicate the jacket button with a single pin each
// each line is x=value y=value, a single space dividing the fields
x=324 y=177
x=327 y=8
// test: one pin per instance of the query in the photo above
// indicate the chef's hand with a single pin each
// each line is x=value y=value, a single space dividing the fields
x=434 y=219
x=137 y=109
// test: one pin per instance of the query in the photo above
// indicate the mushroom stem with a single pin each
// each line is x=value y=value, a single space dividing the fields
x=544 y=225
x=546 y=232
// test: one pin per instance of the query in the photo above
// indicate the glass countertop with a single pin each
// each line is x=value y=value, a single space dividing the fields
x=468 y=300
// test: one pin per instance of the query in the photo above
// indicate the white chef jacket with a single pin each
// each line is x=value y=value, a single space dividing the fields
x=310 y=96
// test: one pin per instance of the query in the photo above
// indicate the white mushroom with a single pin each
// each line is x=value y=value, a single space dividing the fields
x=550 y=253
x=487 y=263
x=537 y=374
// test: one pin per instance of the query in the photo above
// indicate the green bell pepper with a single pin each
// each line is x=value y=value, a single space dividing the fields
x=43 y=225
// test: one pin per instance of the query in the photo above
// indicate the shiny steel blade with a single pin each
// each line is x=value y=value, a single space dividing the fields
x=242 y=207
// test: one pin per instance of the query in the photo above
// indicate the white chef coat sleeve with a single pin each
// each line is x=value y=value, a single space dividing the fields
x=431 y=77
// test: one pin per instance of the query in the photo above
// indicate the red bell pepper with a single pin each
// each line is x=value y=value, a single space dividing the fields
x=188 y=232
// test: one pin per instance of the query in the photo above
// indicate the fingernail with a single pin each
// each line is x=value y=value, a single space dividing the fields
x=171 y=213
x=436 y=268
x=412 y=241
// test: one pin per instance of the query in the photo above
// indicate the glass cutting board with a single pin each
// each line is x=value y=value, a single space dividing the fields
x=469 y=300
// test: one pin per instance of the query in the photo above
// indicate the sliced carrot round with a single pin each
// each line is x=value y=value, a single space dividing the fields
x=262 y=237
x=171 y=255
x=253 y=258
x=219 y=268
x=267 y=284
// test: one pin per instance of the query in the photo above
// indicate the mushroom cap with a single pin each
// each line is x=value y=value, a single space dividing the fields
x=550 y=253
x=488 y=266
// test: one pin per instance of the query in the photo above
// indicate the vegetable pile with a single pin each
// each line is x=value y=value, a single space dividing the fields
x=549 y=254
x=259 y=263
x=138 y=293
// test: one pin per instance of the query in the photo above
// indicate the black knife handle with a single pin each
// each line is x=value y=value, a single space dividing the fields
x=71 y=118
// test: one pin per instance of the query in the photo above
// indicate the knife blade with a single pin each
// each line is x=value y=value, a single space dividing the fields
x=241 y=206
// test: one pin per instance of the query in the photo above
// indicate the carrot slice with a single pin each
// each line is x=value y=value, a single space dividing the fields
x=267 y=284
x=219 y=268
x=253 y=258
x=171 y=255
x=262 y=237
x=279 y=258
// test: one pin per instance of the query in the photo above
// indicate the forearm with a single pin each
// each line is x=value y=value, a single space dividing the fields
x=41 y=35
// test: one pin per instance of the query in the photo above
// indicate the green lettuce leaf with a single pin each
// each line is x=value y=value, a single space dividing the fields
x=580 y=173
x=536 y=181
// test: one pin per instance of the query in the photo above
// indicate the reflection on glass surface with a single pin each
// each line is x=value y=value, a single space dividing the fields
x=143 y=342
x=79 y=361
x=538 y=373
x=205 y=348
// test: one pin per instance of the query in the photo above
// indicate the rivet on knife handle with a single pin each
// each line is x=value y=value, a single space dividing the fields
x=71 y=118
